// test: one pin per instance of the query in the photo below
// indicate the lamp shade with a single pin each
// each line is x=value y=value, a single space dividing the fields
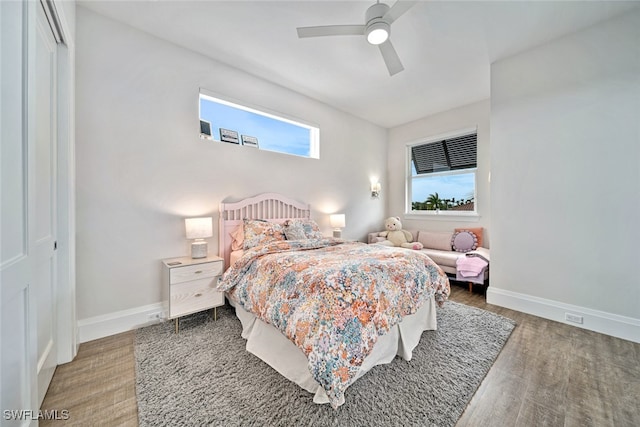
x=337 y=220
x=199 y=228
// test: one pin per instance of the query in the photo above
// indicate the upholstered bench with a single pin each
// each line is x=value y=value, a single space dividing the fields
x=446 y=248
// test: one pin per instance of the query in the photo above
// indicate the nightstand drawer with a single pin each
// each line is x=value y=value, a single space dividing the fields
x=193 y=296
x=195 y=272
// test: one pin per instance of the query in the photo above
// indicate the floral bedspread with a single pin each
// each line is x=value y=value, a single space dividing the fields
x=333 y=299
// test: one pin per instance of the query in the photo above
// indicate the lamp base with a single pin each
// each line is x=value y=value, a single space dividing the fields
x=199 y=249
x=337 y=233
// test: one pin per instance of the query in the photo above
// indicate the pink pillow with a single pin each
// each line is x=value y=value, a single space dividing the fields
x=464 y=241
x=476 y=230
x=435 y=240
x=237 y=238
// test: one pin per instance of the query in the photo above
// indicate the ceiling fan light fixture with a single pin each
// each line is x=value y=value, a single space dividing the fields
x=376 y=28
x=378 y=32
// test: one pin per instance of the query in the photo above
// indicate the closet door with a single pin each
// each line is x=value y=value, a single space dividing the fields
x=28 y=195
x=18 y=341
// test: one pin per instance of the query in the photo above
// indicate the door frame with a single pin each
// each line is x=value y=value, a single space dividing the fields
x=67 y=328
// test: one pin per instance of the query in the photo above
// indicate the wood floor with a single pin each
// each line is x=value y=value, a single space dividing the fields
x=548 y=374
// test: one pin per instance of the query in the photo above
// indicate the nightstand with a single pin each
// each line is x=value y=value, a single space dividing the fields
x=189 y=285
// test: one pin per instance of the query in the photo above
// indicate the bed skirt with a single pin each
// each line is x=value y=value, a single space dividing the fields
x=271 y=346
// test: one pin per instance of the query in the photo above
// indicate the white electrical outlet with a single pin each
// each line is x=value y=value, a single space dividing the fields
x=573 y=318
x=156 y=315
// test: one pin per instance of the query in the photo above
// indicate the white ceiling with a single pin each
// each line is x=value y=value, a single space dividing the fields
x=446 y=46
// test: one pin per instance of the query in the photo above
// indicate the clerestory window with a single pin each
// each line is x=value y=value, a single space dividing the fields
x=229 y=122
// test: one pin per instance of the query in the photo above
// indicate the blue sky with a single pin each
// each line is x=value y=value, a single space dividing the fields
x=458 y=186
x=272 y=134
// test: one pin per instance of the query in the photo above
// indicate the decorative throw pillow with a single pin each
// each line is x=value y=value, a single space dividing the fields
x=476 y=230
x=302 y=226
x=464 y=241
x=294 y=231
x=260 y=232
x=435 y=240
x=237 y=238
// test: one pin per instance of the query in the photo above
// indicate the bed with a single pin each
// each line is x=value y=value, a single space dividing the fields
x=322 y=311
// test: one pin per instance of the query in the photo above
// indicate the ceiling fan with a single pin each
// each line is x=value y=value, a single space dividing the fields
x=377 y=28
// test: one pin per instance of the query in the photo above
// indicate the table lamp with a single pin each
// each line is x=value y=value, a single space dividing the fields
x=199 y=229
x=337 y=222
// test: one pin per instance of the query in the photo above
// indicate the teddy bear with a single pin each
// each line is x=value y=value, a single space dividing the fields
x=396 y=236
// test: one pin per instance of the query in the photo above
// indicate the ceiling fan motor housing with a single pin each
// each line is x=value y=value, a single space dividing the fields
x=377 y=11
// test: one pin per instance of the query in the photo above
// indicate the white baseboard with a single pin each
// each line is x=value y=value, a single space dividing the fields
x=105 y=325
x=615 y=325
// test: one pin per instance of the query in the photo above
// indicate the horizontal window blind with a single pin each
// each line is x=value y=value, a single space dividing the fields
x=448 y=154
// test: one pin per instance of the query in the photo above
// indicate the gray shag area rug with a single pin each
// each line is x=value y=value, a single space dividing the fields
x=204 y=376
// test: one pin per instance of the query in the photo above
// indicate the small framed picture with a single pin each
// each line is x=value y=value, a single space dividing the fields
x=205 y=129
x=227 y=135
x=250 y=141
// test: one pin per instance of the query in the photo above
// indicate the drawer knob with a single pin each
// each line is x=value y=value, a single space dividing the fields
x=197 y=272
x=198 y=295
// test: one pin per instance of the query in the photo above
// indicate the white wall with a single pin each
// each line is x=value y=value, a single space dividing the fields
x=565 y=185
x=469 y=116
x=141 y=167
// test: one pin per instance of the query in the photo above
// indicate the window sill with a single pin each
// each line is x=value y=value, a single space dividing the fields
x=444 y=216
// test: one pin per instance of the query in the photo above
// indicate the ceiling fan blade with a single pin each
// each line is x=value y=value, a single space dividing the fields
x=397 y=10
x=331 y=30
x=391 y=58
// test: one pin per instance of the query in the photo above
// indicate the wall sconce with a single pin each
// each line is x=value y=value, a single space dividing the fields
x=375 y=190
x=337 y=222
x=199 y=229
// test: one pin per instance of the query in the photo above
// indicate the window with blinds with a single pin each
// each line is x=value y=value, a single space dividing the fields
x=443 y=173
